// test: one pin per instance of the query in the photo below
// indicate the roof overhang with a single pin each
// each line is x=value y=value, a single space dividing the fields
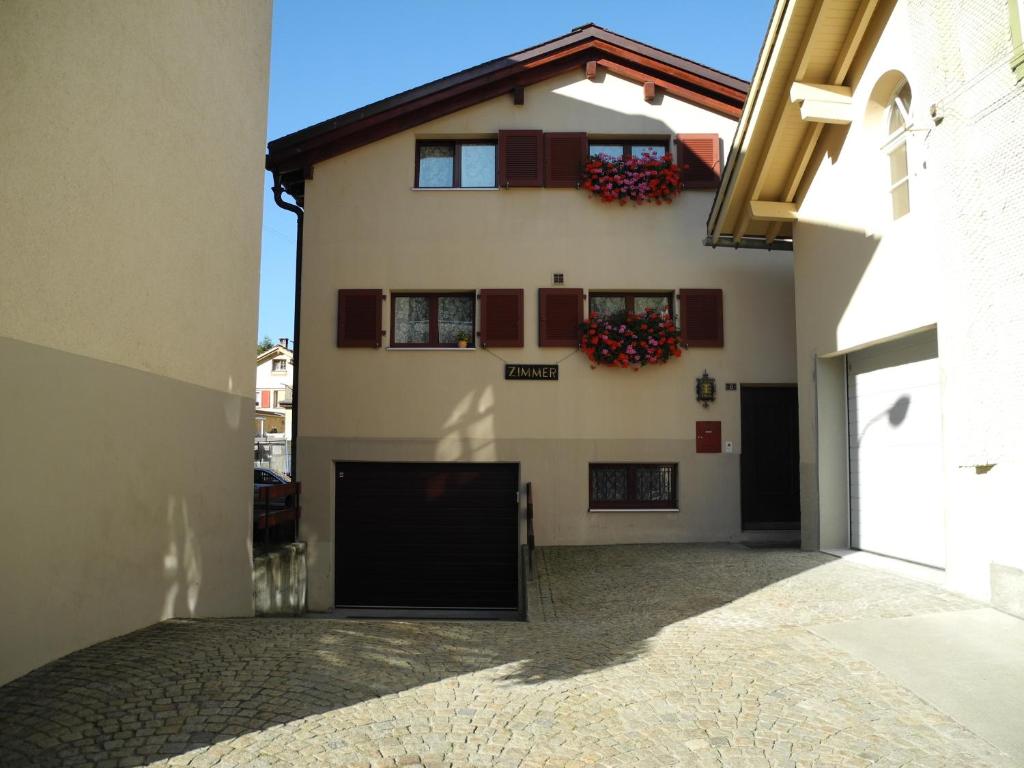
x=801 y=86
x=274 y=351
x=291 y=158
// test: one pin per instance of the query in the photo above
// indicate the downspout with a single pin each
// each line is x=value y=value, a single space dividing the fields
x=296 y=345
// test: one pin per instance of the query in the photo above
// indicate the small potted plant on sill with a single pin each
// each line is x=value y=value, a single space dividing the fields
x=462 y=339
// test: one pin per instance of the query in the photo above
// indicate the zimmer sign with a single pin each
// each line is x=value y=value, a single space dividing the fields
x=525 y=372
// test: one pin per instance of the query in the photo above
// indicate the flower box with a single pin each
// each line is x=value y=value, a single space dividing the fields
x=630 y=340
x=645 y=179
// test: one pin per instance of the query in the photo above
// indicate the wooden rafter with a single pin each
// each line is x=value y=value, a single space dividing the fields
x=840 y=69
x=798 y=72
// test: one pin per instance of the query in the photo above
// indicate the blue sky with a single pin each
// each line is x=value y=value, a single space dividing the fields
x=327 y=58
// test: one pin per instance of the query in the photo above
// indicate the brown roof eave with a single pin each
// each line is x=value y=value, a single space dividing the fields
x=303 y=148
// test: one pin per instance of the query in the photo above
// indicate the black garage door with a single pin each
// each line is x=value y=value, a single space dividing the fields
x=427 y=536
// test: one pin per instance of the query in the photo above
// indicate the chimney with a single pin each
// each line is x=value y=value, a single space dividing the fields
x=284 y=342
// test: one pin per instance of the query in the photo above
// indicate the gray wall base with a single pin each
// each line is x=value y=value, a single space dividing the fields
x=279 y=581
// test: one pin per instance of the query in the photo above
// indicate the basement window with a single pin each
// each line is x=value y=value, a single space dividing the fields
x=634 y=487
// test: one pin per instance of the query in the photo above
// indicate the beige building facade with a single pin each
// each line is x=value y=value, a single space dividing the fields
x=883 y=141
x=369 y=225
x=129 y=245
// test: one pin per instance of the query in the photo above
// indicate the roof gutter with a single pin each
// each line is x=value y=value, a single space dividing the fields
x=278 y=189
x=726 y=189
x=755 y=242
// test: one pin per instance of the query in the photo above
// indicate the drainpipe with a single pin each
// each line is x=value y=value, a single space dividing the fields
x=296 y=345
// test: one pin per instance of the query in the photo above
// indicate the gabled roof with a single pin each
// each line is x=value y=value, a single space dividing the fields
x=292 y=157
x=274 y=351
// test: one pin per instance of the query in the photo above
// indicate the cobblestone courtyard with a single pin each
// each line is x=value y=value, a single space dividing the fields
x=656 y=655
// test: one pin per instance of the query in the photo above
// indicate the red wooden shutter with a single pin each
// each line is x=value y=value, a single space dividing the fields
x=359 y=317
x=700 y=316
x=501 y=317
x=265 y=398
x=521 y=158
x=561 y=312
x=699 y=159
x=564 y=155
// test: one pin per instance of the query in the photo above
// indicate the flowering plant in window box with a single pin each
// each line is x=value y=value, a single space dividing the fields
x=627 y=340
x=645 y=179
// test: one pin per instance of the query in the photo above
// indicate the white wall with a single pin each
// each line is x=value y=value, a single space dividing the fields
x=952 y=262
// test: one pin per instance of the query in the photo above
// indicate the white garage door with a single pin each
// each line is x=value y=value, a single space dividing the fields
x=896 y=450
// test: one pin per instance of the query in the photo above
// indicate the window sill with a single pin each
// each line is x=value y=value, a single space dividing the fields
x=638 y=509
x=455 y=189
x=430 y=349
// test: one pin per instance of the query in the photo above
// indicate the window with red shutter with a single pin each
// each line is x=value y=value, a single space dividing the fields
x=700 y=317
x=699 y=159
x=561 y=312
x=564 y=156
x=359 y=317
x=501 y=317
x=520 y=158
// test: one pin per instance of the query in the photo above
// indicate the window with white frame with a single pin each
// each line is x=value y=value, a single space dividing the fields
x=898 y=124
x=279 y=365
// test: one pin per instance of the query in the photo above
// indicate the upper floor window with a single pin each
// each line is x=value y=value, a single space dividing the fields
x=898 y=124
x=611 y=304
x=432 y=319
x=629 y=148
x=456 y=164
x=280 y=365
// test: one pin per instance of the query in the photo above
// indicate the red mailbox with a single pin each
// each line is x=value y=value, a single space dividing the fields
x=709 y=437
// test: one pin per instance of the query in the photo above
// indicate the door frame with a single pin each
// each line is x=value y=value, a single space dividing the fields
x=744 y=527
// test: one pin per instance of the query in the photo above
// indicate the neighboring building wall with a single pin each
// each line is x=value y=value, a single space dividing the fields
x=952 y=262
x=364 y=404
x=132 y=162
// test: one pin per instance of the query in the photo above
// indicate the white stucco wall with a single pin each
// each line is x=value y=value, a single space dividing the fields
x=952 y=262
x=129 y=252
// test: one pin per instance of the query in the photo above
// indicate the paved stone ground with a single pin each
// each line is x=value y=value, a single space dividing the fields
x=662 y=655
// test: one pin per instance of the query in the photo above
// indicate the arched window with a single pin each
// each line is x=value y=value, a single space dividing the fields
x=898 y=124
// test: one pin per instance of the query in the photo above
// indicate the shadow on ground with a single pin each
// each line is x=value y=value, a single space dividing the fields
x=183 y=685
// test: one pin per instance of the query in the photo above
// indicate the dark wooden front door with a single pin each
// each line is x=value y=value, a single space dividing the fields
x=769 y=458
x=427 y=536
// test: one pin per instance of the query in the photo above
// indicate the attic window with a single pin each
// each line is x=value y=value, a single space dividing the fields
x=456 y=164
x=279 y=365
x=629 y=148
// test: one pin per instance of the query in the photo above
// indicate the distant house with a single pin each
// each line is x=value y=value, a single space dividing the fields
x=883 y=143
x=274 y=376
x=272 y=417
x=454 y=209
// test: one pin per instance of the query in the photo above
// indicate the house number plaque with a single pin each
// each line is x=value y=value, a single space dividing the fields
x=525 y=372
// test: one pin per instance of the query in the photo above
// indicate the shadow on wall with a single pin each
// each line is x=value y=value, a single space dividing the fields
x=145 y=513
x=196 y=683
